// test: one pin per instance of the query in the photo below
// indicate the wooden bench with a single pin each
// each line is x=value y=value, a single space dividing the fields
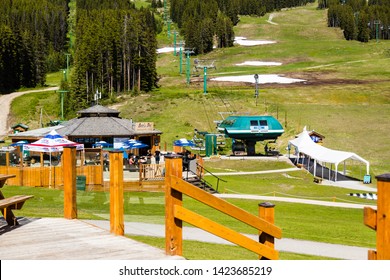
x=12 y=203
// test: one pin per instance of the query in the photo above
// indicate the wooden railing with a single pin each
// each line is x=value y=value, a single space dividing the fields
x=148 y=172
x=175 y=214
x=46 y=176
x=379 y=220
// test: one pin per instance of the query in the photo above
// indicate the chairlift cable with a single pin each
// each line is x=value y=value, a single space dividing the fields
x=207 y=116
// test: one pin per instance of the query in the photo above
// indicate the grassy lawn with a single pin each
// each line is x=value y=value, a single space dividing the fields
x=299 y=221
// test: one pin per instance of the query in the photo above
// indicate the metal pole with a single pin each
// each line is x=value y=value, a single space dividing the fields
x=62 y=105
x=62 y=102
x=205 y=80
x=181 y=59
x=174 y=43
x=169 y=28
x=376 y=22
x=257 y=87
x=67 y=66
x=188 y=67
x=165 y=9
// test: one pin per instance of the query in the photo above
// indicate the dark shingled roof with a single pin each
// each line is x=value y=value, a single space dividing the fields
x=95 y=121
x=97 y=126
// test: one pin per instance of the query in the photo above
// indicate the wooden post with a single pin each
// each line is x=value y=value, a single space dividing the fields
x=117 y=225
x=379 y=219
x=69 y=166
x=173 y=226
x=266 y=212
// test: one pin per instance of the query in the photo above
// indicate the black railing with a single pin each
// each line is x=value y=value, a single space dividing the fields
x=201 y=170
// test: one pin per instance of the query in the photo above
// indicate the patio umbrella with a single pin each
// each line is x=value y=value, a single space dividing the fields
x=19 y=143
x=51 y=142
x=184 y=143
x=138 y=145
x=102 y=144
x=131 y=142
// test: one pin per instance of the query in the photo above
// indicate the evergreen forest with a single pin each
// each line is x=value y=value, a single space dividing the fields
x=32 y=41
x=359 y=19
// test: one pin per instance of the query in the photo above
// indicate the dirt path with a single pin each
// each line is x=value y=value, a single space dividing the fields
x=5 y=103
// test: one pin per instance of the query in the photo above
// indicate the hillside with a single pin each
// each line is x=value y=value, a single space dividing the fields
x=345 y=95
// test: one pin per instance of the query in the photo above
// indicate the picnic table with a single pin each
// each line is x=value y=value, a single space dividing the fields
x=11 y=203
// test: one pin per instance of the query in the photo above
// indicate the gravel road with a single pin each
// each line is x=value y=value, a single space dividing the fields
x=5 y=103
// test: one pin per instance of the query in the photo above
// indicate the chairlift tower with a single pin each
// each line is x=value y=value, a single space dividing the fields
x=205 y=64
x=61 y=91
x=188 y=52
x=376 y=23
x=256 y=87
x=174 y=42
x=169 y=21
x=181 y=44
x=165 y=9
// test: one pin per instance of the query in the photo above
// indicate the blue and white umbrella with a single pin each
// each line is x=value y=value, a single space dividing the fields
x=19 y=143
x=184 y=143
x=102 y=144
x=138 y=145
x=134 y=144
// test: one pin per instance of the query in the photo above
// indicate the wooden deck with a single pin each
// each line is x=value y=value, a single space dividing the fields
x=62 y=239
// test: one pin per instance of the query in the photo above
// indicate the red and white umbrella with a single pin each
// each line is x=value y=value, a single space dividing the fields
x=52 y=142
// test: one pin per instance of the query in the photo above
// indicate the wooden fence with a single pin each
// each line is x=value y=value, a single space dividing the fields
x=46 y=176
x=379 y=220
x=176 y=214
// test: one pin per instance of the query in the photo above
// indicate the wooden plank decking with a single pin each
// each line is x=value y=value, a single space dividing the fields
x=62 y=239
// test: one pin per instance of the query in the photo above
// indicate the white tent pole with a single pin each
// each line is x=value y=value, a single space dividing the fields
x=345 y=171
x=335 y=175
x=50 y=169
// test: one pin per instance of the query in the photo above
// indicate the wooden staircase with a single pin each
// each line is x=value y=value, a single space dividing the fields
x=201 y=183
x=196 y=178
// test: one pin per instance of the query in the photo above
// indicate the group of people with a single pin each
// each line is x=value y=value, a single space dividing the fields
x=146 y=159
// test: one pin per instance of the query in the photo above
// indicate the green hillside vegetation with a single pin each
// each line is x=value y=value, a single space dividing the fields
x=346 y=97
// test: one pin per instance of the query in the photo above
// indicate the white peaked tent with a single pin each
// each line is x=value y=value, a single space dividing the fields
x=305 y=145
